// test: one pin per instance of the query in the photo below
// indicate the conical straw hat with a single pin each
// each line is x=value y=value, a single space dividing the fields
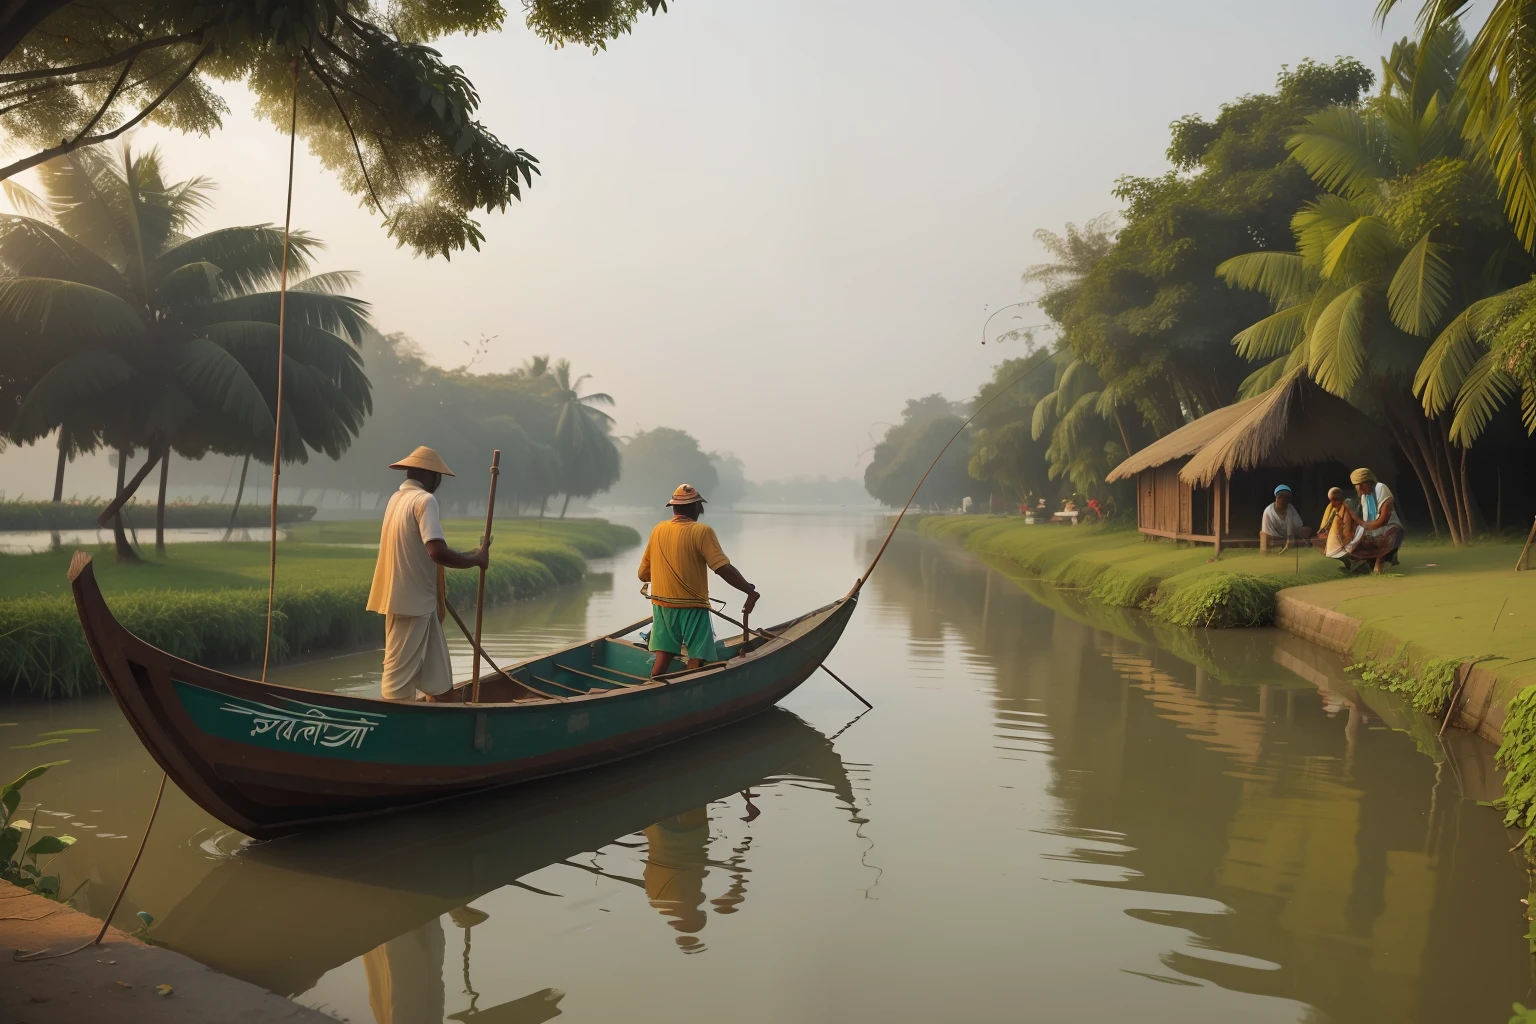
x=424 y=458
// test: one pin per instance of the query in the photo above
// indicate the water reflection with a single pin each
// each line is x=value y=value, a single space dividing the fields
x=309 y=904
x=1328 y=860
x=1057 y=811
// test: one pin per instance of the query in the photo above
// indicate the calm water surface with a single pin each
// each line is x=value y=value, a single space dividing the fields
x=1055 y=813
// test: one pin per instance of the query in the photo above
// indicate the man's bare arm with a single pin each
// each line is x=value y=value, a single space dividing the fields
x=443 y=555
x=733 y=576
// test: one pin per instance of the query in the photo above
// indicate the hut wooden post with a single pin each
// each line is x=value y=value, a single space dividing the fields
x=1218 y=487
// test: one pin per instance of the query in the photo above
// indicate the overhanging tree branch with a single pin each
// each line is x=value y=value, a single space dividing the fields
x=80 y=141
x=361 y=164
x=106 y=62
x=107 y=103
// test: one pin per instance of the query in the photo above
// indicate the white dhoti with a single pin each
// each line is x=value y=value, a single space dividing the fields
x=415 y=657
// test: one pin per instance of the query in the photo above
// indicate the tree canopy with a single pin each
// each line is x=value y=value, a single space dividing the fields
x=376 y=103
x=909 y=448
x=655 y=461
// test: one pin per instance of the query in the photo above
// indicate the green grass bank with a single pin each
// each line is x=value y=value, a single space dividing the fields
x=1444 y=614
x=207 y=602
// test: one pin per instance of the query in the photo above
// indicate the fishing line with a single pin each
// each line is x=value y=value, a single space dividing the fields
x=1007 y=388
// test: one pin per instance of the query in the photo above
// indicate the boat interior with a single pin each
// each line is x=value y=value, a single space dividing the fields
x=609 y=664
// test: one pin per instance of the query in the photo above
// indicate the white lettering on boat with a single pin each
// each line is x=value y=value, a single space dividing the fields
x=319 y=726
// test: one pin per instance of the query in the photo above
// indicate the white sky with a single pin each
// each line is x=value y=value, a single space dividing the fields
x=771 y=223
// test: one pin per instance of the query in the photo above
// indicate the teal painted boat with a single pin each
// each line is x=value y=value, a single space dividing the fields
x=270 y=760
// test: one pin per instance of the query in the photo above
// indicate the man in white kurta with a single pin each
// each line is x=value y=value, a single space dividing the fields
x=407 y=583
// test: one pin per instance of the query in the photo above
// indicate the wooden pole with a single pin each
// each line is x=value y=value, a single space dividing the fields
x=277 y=418
x=490 y=513
x=1521 y=563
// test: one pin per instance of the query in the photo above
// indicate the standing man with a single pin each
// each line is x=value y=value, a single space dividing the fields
x=408 y=586
x=674 y=564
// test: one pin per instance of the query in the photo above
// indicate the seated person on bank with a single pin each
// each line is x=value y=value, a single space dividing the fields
x=1340 y=529
x=1378 y=514
x=675 y=564
x=1281 y=521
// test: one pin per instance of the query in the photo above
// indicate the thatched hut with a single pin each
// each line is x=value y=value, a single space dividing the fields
x=1209 y=481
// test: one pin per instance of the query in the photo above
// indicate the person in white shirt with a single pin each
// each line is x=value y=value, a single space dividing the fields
x=408 y=583
x=1378 y=514
x=1281 y=521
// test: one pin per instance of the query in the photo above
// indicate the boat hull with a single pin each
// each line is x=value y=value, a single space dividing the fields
x=270 y=760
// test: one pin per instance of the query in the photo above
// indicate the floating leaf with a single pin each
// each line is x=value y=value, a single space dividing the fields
x=68 y=732
x=39 y=743
x=163 y=990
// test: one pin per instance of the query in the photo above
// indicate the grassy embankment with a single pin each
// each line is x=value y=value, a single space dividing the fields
x=1442 y=608
x=207 y=602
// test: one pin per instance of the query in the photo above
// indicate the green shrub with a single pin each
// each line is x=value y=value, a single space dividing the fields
x=81 y=515
x=43 y=651
x=1219 y=600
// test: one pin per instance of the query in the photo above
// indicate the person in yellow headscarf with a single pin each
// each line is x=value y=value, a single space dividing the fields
x=1340 y=531
x=1378 y=514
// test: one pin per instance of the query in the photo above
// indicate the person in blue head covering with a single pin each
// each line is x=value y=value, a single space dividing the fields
x=1281 y=520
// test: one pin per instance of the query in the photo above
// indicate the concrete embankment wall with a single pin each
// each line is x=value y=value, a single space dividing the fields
x=1481 y=698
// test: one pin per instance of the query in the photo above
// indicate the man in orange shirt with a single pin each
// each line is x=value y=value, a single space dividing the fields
x=675 y=564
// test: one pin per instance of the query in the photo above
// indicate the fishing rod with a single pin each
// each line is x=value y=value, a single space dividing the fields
x=953 y=438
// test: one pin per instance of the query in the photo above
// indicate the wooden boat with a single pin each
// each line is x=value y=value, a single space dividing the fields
x=282 y=914
x=270 y=760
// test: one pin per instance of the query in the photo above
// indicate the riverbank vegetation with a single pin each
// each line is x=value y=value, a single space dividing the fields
x=1366 y=229
x=207 y=602
x=81 y=515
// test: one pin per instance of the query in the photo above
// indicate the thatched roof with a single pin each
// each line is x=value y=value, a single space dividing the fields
x=1294 y=423
x=1187 y=440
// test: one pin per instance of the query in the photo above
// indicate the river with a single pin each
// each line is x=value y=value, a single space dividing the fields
x=1055 y=812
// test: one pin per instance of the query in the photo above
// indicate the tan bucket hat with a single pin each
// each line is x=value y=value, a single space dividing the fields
x=424 y=458
x=685 y=495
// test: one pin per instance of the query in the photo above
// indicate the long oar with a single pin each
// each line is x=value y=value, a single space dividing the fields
x=481 y=653
x=746 y=633
x=490 y=513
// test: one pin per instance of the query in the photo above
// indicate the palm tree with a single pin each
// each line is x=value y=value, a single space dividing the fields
x=589 y=460
x=138 y=334
x=1408 y=235
x=1496 y=80
x=1076 y=415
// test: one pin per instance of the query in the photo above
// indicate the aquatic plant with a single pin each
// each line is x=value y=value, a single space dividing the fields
x=24 y=870
x=1517 y=756
x=1427 y=683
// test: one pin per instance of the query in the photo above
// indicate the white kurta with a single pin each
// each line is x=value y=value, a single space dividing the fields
x=405 y=593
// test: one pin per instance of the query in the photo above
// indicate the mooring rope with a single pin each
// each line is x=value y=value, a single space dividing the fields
x=282 y=318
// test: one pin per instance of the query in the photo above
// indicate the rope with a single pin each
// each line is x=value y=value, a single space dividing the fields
x=282 y=317
x=106 y=922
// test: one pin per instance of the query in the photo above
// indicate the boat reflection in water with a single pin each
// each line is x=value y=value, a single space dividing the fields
x=283 y=914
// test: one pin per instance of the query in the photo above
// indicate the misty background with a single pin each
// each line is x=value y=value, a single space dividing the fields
x=767 y=226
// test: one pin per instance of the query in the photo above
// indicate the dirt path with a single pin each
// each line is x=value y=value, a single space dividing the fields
x=118 y=981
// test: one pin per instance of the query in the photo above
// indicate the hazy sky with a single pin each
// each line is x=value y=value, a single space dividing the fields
x=770 y=223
